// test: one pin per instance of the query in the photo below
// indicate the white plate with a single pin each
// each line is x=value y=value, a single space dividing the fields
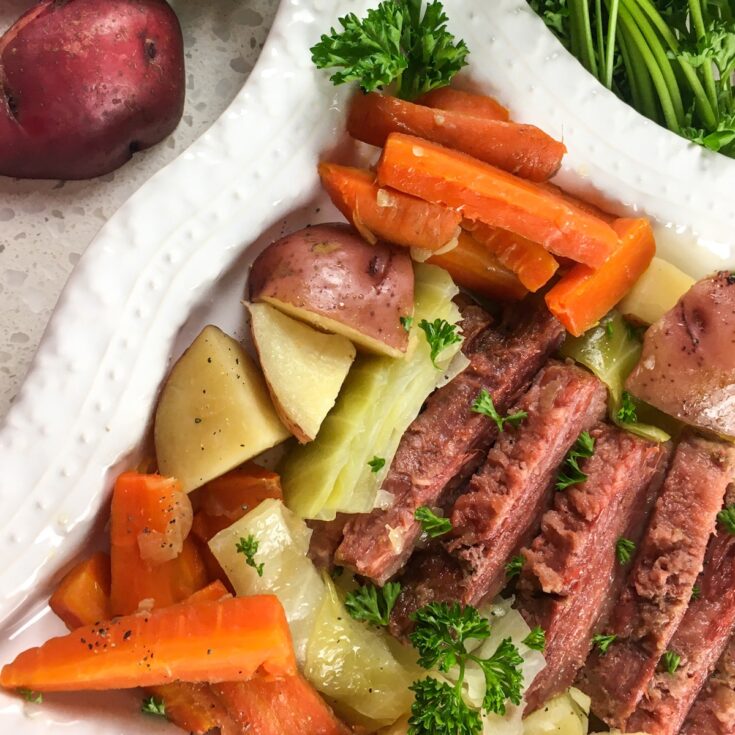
x=175 y=257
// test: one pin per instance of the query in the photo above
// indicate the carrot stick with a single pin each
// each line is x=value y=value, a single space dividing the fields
x=472 y=266
x=387 y=215
x=229 y=640
x=149 y=508
x=497 y=198
x=446 y=98
x=83 y=595
x=533 y=265
x=585 y=295
x=523 y=150
x=279 y=707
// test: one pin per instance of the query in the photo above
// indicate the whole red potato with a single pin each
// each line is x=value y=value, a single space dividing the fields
x=86 y=83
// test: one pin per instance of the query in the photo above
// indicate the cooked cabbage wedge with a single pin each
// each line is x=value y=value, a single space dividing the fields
x=283 y=543
x=378 y=401
x=563 y=715
x=353 y=665
x=655 y=292
x=611 y=350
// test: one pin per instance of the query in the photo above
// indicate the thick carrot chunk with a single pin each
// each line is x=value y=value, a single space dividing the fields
x=471 y=265
x=497 y=198
x=83 y=595
x=524 y=150
x=229 y=640
x=446 y=98
x=385 y=214
x=533 y=265
x=585 y=295
x=279 y=707
x=152 y=558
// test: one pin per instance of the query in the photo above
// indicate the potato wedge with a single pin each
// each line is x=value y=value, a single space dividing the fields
x=329 y=277
x=214 y=412
x=304 y=369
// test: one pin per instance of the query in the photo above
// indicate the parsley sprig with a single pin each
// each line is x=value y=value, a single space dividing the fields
x=484 y=404
x=248 y=547
x=727 y=518
x=376 y=464
x=536 y=639
x=441 y=635
x=602 y=642
x=393 y=43
x=440 y=334
x=432 y=524
x=153 y=706
x=570 y=473
x=514 y=566
x=373 y=604
x=627 y=413
x=30 y=696
x=671 y=661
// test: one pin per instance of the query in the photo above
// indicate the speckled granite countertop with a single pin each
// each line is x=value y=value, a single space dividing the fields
x=46 y=225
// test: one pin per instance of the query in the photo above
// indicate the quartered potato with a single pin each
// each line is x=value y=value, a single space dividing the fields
x=214 y=412
x=304 y=369
x=329 y=277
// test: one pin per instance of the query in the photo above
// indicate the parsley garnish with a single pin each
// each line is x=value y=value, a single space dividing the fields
x=373 y=604
x=627 y=413
x=432 y=524
x=439 y=334
x=153 y=706
x=484 y=404
x=514 y=566
x=406 y=323
x=393 y=43
x=727 y=518
x=376 y=464
x=671 y=661
x=30 y=696
x=440 y=636
x=696 y=592
x=603 y=642
x=248 y=547
x=624 y=549
x=570 y=474
x=536 y=639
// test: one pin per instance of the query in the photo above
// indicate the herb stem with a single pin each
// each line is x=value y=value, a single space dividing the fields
x=697 y=19
x=612 y=31
x=639 y=71
x=584 y=29
x=602 y=56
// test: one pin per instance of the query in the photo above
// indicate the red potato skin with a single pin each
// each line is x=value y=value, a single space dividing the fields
x=84 y=84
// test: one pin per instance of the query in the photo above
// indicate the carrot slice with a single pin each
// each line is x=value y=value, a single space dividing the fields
x=585 y=295
x=472 y=266
x=388 y=215
x=446 y=98
x=83 y=595
x=279 y=707
x=497 y=198
x=145 y=508
x=524 y=150
x=229 y=640
x=533 y=265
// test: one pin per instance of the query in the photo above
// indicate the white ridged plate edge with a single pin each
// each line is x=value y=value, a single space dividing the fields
x=88 y=397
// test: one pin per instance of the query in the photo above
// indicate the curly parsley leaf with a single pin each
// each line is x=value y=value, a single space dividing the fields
x=372 y=604
x=248 y=547
x=153 y=706
x=393 y=43
x=503 y=677
x=536 y=639
x=440 y=334
x=696 y=592
x=432 y=524
x=624 y=550
x=439 y=709
x=406 y=323
x=627 y=413
x=484 y=404
x=30 y=696
x=671 y=661
x=603 y=642
x=571 y=474
x=727 y=518
x=514 y=566
x=376 y=464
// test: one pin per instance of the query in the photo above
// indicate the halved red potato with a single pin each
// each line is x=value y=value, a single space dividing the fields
x=329 y=277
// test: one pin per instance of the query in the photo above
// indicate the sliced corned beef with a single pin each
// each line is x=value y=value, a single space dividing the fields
x=508 y=494
x=699 y=641
x=446 y=442
x=571 y=573
x=659 y=586
x=713 y=712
